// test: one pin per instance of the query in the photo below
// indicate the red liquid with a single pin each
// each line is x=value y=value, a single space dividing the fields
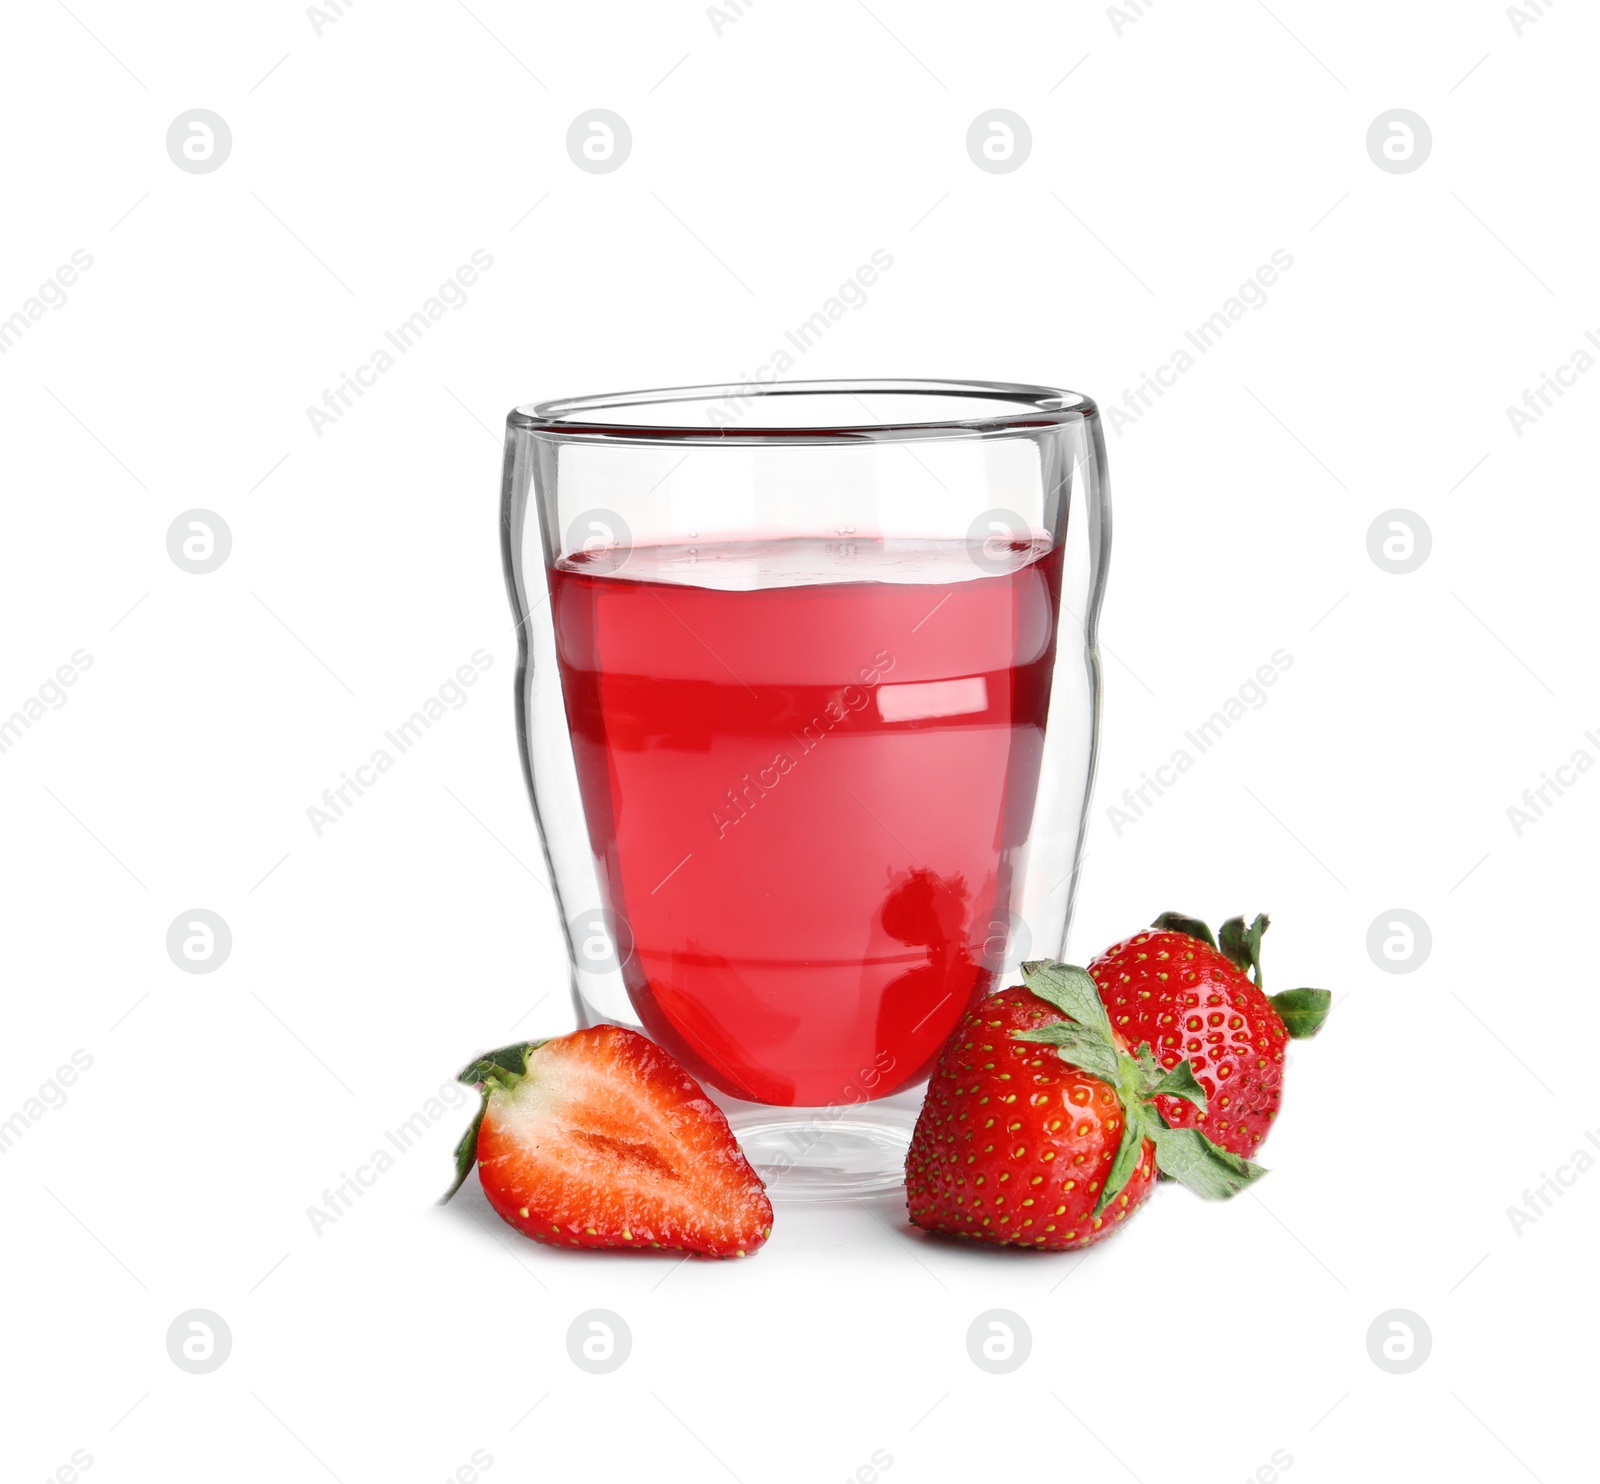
x=810 y=855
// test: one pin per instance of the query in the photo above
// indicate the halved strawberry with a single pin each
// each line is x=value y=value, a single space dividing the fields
x=1019 y=1147
x=600 y=1139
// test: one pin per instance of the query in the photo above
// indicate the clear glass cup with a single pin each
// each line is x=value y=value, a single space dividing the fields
x=807 y=697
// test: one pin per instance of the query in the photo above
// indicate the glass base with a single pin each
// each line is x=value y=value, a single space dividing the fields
x=826 y=1154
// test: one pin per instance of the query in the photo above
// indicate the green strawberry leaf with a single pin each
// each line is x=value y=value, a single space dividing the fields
x=1127 y=1156
x=1176 y=922
x=503 y=1068
x=1180 y=1083
x=1190 y=1158
x=507 y=1066
x=1243 y=945
x=1077 y=1044
x=1303 y=1010
x=1148 y=1064
x=466 y=1154
x=1070 y=990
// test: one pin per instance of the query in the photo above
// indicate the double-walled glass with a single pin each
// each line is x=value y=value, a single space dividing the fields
x=807 y=695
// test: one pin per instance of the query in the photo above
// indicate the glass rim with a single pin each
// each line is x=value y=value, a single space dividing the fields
x=1028 y=408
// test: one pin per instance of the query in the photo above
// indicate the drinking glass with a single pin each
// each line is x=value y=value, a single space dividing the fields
x=807 y=697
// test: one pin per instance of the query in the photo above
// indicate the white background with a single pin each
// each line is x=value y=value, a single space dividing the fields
x=768 y=162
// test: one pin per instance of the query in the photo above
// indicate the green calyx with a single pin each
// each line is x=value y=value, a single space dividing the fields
x=495 y=1070
x=1085 y=1040
x=1301 y=1010
x=1176 y=922
x=1242 y=945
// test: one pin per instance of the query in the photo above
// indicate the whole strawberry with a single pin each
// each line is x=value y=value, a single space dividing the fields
x=1040 y=1130
x=1175 y=987
x=600 y=1139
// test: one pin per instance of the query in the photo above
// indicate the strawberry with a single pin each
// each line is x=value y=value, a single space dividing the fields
x=600 y=1139
x=1174 y=987
x=1041 y=1130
